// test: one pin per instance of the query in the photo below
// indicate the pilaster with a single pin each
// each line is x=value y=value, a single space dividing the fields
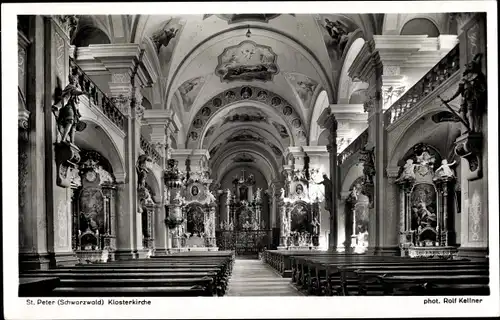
x=474 y=184
x=58 y=195
x=32 y=211
x=327 y=120
x=369 y=68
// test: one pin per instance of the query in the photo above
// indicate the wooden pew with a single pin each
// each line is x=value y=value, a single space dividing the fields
x=319 y=274
x=311 y=273
x=37 y=286
x=199 y=274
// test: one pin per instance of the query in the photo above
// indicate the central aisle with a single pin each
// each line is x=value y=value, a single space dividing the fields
x=255 y=278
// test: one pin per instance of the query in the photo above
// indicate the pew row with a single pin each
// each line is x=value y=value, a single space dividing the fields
x=173 y=275
x=375 y=275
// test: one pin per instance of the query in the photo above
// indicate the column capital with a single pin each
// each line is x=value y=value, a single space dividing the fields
x=120 y=178
x=346 y=109
x=118 y=58
x=462 y=19
x=327 y=120
x=367 y=65
x=312 y=151
x=392 y=172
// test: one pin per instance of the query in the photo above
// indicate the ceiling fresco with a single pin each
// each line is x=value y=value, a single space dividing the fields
x=247 y=61
x=190 y=89
x=304 y=86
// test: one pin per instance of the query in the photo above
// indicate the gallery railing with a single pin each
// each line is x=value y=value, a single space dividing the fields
x=150 y=150
x=443 y=70
x=354 y=147
x=244 y=241
x=98 y=98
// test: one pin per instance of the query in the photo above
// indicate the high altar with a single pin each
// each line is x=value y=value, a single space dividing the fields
x=299 y=210
x=245 y=230
x=191 y=208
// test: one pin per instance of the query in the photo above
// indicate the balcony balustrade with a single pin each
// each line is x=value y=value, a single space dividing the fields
x=438 y=74
x=97 y=97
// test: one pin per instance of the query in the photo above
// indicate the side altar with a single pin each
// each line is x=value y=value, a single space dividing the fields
x=426 y=201
x=299 y=209
x=191 y=208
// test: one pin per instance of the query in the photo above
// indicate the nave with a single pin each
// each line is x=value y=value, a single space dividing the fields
x=151 y=163
x=252 y=277
x=277 y=274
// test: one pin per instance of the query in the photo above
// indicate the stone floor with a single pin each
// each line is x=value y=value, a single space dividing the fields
x=255 y=278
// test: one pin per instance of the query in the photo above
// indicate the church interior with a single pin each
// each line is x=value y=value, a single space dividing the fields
x=253 y=154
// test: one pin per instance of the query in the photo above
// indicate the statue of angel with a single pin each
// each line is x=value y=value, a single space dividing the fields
x=210 y=196
x=408 y=171
x=178 y=197
x=163 y=37
x=338 y=31
x=258 y=195
x=445 y=171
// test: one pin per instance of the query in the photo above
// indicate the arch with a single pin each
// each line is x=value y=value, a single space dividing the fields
x=153 y=182
x=221 y=103
x=146 y=104
x=265 y=31
x=424 y=131
x=345 y=82
x=259 y=131
x=398 y=133
x=323 y=138
x=263 y=157
x=420 y=26
x=88 y=32
x=228 y=168
x=321 y=103
x=354 y=172
x=358 y=96
x=96 y=137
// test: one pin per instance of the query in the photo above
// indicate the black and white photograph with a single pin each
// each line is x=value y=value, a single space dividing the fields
x=131 y=199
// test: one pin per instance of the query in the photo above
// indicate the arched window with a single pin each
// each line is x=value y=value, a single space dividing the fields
x=90 y=35
x=420 y=26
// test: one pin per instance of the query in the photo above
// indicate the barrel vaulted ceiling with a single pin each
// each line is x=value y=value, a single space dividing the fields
x=247 y=80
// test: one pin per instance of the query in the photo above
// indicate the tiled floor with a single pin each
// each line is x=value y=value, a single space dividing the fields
x=255 y=278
